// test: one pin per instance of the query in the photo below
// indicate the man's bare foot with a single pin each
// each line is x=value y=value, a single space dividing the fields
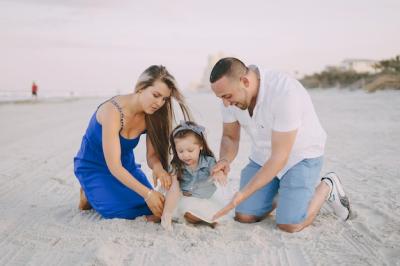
x=84 y=204
x=153 y=218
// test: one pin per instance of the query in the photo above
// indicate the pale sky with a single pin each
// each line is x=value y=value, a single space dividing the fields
x=99 y=45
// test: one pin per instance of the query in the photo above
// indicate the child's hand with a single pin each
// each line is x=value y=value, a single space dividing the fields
x=166 y=221
x=220 y=177
x=222 y=164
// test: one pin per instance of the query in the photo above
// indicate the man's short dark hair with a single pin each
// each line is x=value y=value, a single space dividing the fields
x=228 y=66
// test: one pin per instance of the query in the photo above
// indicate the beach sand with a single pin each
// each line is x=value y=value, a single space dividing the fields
x=40 y=223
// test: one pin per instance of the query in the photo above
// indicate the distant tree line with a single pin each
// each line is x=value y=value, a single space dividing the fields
x=389 y=66
x=387 y=77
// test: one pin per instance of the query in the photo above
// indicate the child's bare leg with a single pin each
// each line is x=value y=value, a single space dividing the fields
x=83 y=202
x=192 y=219
x=195 y=220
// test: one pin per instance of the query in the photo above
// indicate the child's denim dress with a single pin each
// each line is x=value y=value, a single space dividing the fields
x=198 y=182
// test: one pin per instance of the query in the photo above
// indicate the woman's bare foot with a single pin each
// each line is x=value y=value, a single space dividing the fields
x=84 y=204
x=153 y=218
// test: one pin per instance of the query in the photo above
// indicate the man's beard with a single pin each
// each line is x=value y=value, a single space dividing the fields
x=241 y=106
x=244 y=104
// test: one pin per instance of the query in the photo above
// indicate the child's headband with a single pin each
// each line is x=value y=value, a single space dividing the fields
x=199 y=130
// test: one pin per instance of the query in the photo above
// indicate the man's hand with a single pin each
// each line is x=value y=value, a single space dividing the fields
x=237 y=198
x=220 y=177
x=222 y=165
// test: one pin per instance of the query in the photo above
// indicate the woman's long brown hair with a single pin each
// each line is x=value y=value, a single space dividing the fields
x=159 y=124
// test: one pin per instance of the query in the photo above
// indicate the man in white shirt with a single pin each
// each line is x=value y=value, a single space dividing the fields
x=287 y=147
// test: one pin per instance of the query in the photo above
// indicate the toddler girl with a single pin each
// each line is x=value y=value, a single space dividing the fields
x=192 y=191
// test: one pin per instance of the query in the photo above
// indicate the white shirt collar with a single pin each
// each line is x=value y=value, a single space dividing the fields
x=261 y=89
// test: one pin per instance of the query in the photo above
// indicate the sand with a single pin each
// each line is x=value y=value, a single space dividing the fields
x=40 y=223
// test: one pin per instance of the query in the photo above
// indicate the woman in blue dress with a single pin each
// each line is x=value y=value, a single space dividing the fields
x=111 y=181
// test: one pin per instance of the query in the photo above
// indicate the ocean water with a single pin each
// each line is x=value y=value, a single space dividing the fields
x=25 y=95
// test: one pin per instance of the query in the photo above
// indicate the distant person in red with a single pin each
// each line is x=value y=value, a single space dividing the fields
x=34 y=90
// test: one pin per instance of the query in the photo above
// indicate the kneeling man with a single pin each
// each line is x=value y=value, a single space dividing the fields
x=287 y=147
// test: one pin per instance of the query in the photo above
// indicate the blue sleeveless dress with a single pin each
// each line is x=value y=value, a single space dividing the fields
x=105 y=193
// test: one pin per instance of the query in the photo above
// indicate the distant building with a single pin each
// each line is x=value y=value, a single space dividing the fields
x=359 y=65
x=204 y=84
x=333 y=68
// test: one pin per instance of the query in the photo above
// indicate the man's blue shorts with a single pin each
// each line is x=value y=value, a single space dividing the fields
x=296 y=189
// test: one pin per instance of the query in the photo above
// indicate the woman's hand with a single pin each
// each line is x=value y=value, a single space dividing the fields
x=221 y=165
x=162 y=176
x=237 y=198
x=155 y=202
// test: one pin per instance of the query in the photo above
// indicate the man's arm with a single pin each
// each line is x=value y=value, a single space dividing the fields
x=229 y=146
x=230 y=141
x=282 y=143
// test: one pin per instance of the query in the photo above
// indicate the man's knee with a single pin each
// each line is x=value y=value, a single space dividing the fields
x=245 y=218
x=291 y=228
